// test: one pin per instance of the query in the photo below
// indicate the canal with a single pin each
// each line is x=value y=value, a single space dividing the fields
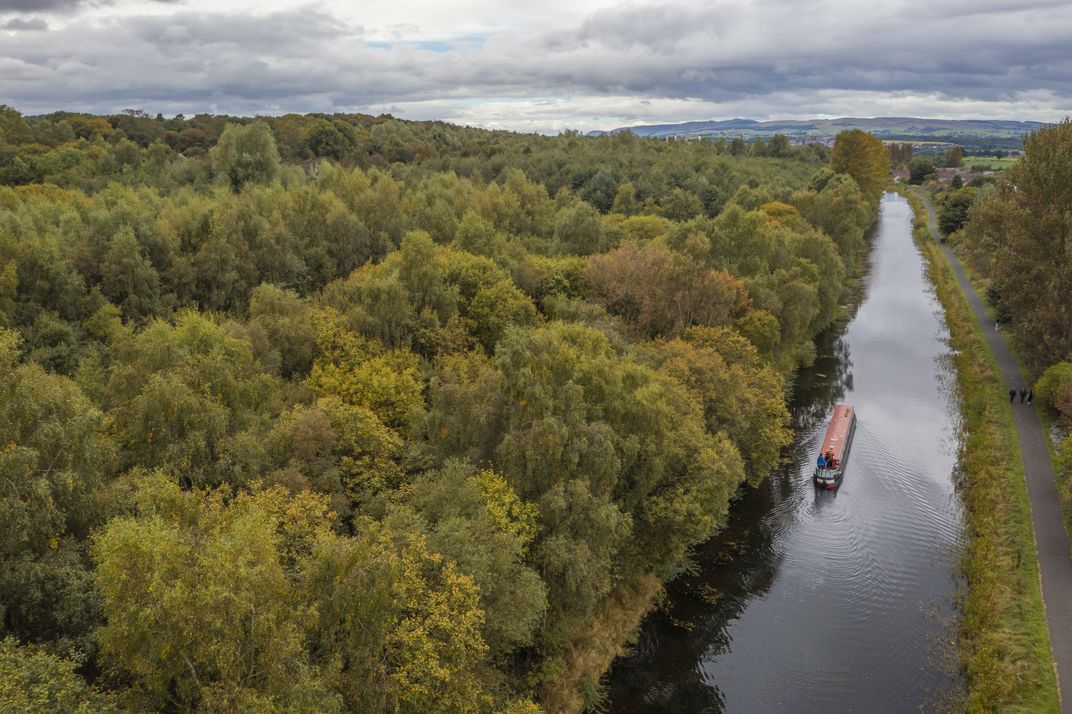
x=813 y=601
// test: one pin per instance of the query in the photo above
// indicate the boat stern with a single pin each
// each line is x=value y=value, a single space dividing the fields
x=827 y=478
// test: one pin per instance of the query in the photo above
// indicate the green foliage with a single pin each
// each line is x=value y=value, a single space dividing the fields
x=128 y=278
x=337 y=448
x=178 y=392
x=480 y=523
x=246 y=154
x=863 y=157
x=282 y=330
x=617 y=457
x=955 y=207
x=954 y=157
x=739 y=394
x=56 y=462
x=394 y=431
x=202 y=609
x=578 y=229
x=1019 y=235
x=920 y=169
x=9 y=282
x=362 y=373
x=841 y=211
x=1054 y=389
x=495 y=308
x=35 y=682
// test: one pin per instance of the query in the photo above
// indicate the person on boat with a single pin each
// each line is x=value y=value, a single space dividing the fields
x=830 y=458
x=821 y=462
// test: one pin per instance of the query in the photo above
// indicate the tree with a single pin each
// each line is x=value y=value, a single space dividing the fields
x=954 y=157
x=662 y=292
x=246 y=154
x=178 y=392
x=579 y=229
x=625 y=200
x=1054 y=389
x=920 y=169
x=202 y=600
x=863 y=157
x=741 y=396
x=681 y=205
x=32 y=681
x=900 y=154
x=1023 y=232
x=495 y=308
x=14 y=129
x=289 y=342
x=361 y=372
x=839 y=210
x=343 y=450
x=128 y=278
x=478 y=521
x=478 y=236
x=397 y=626
x=326 y=139
x=615 y=455
x=955 y=210
x=9 y=283
x=57 y=461
x=601 y=190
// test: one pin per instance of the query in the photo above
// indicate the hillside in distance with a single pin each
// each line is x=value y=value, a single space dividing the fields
x=971 y=133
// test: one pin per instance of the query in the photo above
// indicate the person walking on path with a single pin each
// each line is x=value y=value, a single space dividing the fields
x=1030 y=395
x=1012 y=396
x=1023 y=395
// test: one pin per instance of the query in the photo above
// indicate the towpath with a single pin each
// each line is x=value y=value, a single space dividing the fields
x=1055 y=563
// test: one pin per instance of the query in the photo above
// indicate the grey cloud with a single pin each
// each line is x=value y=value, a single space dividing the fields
x=34 y=24
x=61 y=6
x=736 y=53
x=39 y=5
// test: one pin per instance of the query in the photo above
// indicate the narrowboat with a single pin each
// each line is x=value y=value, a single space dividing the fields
x=834 y=452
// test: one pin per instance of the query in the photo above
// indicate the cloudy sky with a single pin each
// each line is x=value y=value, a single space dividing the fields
x=543 y=65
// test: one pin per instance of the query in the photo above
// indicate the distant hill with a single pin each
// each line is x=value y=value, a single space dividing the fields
x=972 y=133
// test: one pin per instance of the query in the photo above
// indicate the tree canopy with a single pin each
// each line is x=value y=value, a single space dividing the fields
x=348 y=413
x=864 y=157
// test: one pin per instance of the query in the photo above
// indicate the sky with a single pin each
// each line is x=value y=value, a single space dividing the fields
x=542 y=65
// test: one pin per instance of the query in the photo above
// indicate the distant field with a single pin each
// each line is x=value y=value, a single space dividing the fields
x=993 y=162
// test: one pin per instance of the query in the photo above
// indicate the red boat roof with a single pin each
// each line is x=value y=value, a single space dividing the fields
x=838 y=431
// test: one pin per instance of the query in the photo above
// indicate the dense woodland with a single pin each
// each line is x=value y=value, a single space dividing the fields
x=346 y=413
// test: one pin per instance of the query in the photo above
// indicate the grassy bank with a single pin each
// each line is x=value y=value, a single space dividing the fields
x=1002 y=637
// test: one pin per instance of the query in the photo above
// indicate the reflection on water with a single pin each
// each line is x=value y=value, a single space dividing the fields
x=830 y=601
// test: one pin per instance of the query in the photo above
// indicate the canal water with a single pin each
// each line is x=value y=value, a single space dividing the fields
x=815 y=601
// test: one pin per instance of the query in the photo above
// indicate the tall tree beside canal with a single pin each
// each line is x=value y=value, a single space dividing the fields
x=865 y=158
x=1022 y=237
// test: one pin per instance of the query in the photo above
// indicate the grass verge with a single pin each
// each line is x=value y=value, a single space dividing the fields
x=1002 y=637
